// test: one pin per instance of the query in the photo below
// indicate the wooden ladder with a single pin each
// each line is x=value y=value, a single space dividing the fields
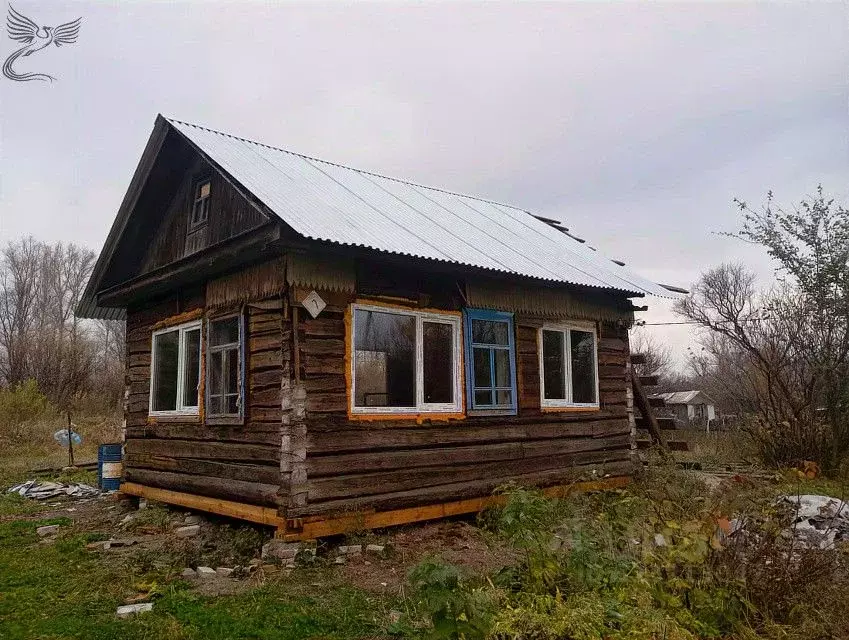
x=647 y=419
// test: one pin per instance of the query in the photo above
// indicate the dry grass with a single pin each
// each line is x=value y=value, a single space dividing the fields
x=31 y=445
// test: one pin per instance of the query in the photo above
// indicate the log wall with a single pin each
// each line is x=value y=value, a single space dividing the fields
x=396 y=463
x=235 y=462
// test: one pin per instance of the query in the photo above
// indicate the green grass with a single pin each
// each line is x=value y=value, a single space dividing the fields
x=62 y=590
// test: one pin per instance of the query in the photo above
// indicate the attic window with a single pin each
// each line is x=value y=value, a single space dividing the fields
x=200 y=205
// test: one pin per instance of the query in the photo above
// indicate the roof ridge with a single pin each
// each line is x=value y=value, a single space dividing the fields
x=344 y=166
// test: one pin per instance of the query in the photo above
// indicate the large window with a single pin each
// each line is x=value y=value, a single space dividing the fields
x=568 y=371
x=405 y=361
x=224 y=366
x=175 y=370
x=490 y=361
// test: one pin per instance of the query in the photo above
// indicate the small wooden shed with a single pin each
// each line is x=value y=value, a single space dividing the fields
x=315 y=347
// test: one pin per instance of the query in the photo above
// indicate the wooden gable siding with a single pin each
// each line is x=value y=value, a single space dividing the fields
x=395 y=463
x=229 y=215
x=233 y=462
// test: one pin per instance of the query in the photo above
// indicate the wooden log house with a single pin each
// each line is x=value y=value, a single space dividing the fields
x=311 y=346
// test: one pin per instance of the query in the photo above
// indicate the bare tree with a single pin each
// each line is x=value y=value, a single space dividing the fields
x=657 y=357
x=40 y=337
x=783 y=354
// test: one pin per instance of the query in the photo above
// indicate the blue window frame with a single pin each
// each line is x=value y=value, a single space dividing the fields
x=490 y=361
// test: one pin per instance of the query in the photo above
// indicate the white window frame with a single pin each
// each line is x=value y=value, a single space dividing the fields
x=564 y=328
x=181 y=409
x=421 y=406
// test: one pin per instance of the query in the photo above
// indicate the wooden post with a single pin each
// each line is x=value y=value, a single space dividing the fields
x=70 y=442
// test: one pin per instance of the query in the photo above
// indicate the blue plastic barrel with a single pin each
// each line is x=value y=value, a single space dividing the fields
x=109 y=466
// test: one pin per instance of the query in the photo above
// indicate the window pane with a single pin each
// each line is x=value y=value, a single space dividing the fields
x=203 y=190
x=191 y=363
x=490 y=332
x=384 y=359
x=216 y=361
x=233 y=404
x=504 y=397
x=502 y=367
x=583 y=366
x=216 y=405
x=483 y=397
x=553 y=365
x=231 y=369
x=438 y=365
x=165 y=346
x=224 y=331
x=483 y=368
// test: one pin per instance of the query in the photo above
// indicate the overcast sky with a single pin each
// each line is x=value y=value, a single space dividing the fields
x=635 y=124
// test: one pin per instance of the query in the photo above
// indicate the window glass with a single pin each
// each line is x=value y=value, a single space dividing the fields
x=224 y=331
x=483 y=397
x=483 y=368
x=490 y=332
x=438 y=362
x=385 y=359
x=554 y=365
x=165 y=358
x=501 y=360
x=200 y=205
x=175 y=369
x=583 y=366
x=224 y=365
x=191 y=367
x=491 y=363
x=405 y=360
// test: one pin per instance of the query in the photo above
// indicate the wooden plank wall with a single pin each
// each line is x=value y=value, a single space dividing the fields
x=389 y=464
x=229 y=215
x=233 y=462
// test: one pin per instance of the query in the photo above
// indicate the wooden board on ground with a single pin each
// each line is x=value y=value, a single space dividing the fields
x=311 y=528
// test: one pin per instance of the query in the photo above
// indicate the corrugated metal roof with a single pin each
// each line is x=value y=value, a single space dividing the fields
x=326 y=201
x=682 y=397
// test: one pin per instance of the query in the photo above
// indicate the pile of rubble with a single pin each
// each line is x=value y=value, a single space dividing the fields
x=818 y=521
x=43 y=490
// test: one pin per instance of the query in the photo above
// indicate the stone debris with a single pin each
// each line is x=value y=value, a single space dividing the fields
x=142 y=503
x=224 y=572
x=350 y=549
x=659 y=540
x=122 y=542
x=47 y=530
x=206 y=572
x=279 y=550
x=100 y=545
x=43 y=490
x=129 y=610
x=188 y=572
x=192 y=518
x=818 y=521
x=340 y=560
x=127 y=519
x=375 y=548
x=189 y=531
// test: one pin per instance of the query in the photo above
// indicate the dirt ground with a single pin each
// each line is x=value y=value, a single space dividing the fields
x=148 y=537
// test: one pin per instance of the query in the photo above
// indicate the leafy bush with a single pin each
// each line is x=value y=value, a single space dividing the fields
x=452 y=606
x=21 y=405
x=650 y=562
